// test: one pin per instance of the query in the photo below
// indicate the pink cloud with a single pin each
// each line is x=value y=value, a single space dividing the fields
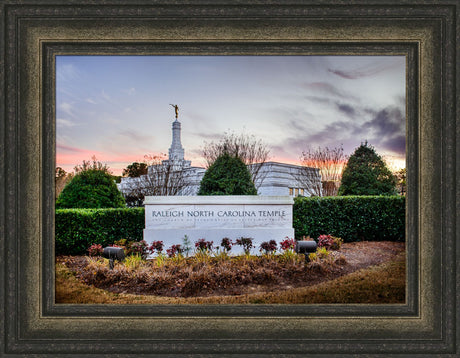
x=68 y=157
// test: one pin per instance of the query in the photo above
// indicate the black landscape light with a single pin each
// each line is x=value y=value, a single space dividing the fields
x=113 y=253
x=305 y=247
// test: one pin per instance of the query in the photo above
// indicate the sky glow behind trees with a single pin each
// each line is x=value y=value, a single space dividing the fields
x=118 y=107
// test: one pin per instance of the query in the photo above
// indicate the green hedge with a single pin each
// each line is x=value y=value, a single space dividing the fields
x=353 y=218
x=77 y=229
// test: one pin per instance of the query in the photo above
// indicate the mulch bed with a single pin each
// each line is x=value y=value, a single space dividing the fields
x=231 y=277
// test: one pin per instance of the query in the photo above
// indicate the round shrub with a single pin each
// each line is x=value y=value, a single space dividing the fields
x=91 y=189
x=228 y=175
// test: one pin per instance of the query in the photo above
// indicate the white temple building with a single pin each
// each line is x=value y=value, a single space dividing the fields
x=274 y=178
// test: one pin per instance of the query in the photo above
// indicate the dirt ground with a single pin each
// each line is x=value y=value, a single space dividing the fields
x=233 y=277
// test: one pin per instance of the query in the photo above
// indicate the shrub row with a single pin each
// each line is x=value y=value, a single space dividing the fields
x=353 y=218
x=77 y=229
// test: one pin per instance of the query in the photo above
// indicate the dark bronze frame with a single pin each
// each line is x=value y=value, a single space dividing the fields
x=36 y=31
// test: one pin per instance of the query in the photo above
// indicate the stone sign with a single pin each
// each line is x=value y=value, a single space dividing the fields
x=262 y=218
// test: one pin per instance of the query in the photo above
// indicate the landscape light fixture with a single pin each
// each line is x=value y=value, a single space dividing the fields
x=113 y=253
x=305 y=247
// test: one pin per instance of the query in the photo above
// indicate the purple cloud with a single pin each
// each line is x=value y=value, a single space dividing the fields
x=369 y=70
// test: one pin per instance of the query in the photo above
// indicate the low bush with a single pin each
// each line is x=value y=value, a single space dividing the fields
x=353 y=218
x=77 y=229
x=203 y=245
x=95 y=250
x=139 y=248
x=287 y=244
x=156 y=247
x=246 y=243
x=330 y=242
x=268 y=247
x=226 y=244
x=174 y=250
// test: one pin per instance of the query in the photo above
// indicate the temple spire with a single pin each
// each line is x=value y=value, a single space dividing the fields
x=176 y=151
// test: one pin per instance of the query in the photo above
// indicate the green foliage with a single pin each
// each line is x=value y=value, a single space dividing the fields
x=228 y=175
x=367 y=174
x=91 y=188
x=77 y=229
x=135 y=170
x=353 y=218
x=187 y=245
x=133 y=262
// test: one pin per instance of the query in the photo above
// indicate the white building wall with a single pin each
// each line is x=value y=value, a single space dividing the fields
x=276 y=179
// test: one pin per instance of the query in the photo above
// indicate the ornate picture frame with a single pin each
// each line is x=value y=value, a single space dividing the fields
x=36 y=31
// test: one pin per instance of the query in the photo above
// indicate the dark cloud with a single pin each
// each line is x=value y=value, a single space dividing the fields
x=348 y=75
x=369 y=70
x=318 y=99
x=385 y=129
x=346 y=109
x=386 y=122
x=395 y=144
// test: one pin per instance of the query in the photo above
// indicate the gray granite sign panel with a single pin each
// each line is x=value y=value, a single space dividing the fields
x=262 y=218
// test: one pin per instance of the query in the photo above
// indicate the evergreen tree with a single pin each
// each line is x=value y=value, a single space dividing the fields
x=228 y=175
x=367 y=174
x=91 y=188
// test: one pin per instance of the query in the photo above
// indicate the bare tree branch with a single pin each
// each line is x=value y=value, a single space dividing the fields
x=309 y=179
x=253 y=152
x=330 y=162
x=164 y=177
x=92 y=165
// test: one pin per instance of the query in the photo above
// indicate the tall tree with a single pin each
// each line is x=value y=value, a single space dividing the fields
x=330 y=163
x=92 y=187
x=252 y=151
x=228 y=175
x=367 y=174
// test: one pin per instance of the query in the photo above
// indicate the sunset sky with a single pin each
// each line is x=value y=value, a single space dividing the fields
x=118 y=107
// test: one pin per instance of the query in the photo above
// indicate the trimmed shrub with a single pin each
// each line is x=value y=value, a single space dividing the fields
x=77 y=229
x=228 y=175
x=91 y=188
x=353 y=218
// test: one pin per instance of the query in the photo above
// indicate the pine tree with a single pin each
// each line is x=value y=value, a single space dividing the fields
x=367 y=174
x=228 y=175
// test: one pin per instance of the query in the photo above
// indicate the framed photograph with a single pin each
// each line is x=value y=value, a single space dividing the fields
x=268 y=110
x=39 y=34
